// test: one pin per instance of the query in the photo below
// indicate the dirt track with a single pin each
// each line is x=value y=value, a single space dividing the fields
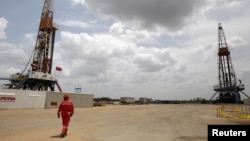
x=171 y=122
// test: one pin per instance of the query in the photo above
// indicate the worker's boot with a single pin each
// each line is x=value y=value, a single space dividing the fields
x=62 y=135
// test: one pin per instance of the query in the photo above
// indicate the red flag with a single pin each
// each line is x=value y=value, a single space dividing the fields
x=58 y=68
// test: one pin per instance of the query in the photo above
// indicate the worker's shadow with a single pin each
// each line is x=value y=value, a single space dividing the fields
x=56 y=136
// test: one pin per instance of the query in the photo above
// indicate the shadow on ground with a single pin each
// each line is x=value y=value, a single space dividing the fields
x=56 y=136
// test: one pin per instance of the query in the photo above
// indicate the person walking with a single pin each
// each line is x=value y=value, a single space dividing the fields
x=66 y=111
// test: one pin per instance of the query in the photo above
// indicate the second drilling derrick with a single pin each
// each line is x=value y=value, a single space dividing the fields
x=229 y=90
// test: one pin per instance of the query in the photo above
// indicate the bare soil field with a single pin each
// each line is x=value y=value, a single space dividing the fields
x=169 y=122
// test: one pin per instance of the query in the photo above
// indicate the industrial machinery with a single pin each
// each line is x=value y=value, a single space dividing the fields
x=228 y=88
x=39 y=75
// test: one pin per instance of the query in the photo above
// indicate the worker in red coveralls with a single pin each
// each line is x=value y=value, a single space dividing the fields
x=66 y=110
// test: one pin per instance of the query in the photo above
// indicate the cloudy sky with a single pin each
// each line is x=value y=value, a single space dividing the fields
x=160 y=49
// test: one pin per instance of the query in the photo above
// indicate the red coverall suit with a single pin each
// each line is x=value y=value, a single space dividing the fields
x=66 y=109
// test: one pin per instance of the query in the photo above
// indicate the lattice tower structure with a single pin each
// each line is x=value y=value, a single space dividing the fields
x=44 y=48
x=227 y=77
x=227 y=81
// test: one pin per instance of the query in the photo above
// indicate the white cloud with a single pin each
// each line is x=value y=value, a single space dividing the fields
x=3 y=25
x=153 y=59
x=228 y=3
x=73 y=23
x=106 y=60
x=75 y=2
x=236 y=41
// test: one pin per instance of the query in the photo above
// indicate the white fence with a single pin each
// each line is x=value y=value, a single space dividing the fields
x=15 y=99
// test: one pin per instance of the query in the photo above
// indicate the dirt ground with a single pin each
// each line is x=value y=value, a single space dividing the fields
x=169 y=122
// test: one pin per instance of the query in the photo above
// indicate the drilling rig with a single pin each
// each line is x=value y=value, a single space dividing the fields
x=228 y=88
x=39 y=75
